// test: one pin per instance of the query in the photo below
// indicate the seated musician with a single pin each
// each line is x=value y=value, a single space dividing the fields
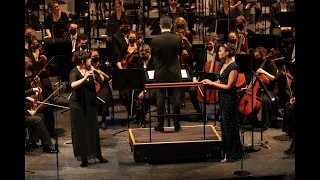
x=73 y=34
x=148 y=64
x=184 y=59
x=226 y=11
x=129 y=58
x=35 y=125
x=270 y=71
x=181 y=23
x=38 y=61
x=237 y=41
x=172 y=9
x=82 y=43
x=118 y=14
x=28 y=34
x=103 y=89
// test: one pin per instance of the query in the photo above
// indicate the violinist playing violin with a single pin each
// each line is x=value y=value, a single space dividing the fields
x=102 y=88
x=129 y=54
x=32 y=80
x=270 y=71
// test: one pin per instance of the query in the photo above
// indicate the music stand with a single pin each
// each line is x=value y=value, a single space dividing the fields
x=184 y=74
x=61 y=65
x=224 y=26
x=267 y=41
x=287 y=19
x=123 y=79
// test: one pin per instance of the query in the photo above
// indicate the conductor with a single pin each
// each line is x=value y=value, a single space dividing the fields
x=166 y=49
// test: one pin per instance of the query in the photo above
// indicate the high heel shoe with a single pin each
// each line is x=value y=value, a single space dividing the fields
x=102 y=159
x=84 y=164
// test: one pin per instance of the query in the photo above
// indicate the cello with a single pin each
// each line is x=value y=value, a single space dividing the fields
x=211 y=94
x=251 y=100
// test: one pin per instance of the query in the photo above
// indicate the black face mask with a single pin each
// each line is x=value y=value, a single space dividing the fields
x=28 y=36
x=240 y=26
x=209 y=48
x=132 y=40
x=233 y=40
x=35 y=46
x=84 y=46
x=95 y=59
x=72 y=31
x=180 y=26
x=144 y=58
x=125 y=30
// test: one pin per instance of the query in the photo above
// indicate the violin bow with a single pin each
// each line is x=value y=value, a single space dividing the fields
x=45 y=66
x=42 y=103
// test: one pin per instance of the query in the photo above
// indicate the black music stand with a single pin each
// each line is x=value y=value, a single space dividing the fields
x=224 y=26
x=61 y=65
x=287 y=19
x=123 y=79
x=267 y=41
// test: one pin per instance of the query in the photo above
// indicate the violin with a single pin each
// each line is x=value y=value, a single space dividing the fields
x=128 y=59
x=251 y=100
x=211 y=94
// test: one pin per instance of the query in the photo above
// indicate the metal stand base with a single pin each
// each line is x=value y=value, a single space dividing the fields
x=241 y=174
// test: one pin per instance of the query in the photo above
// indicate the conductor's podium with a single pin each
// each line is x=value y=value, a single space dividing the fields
x=191 y=143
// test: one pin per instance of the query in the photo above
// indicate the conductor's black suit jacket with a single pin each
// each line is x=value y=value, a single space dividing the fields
x=166 y=49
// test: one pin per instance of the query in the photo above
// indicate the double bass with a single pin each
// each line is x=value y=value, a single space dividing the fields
x=251 y=100
x=211 y=94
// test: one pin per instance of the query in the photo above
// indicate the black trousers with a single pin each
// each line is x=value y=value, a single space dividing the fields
x=146 y=103
x=174 y=93
x=37 y=130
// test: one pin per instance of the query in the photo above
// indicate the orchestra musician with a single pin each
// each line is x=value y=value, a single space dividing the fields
x=184 y=59
x=83 y=110
x=118 y=15
x=181 y=23
x=56 y=22
x=148 y=64
x=39 y=60
x=34 y=124
x=237 y=41
x=102 y=88
x=243 y=32
x=174 y=9
x=270 y=71
x=129 y=54
x=28 y=34
x=166 y=49
x=82 y=43
x=228 y=102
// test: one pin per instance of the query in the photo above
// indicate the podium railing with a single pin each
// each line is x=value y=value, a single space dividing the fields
x=178 y=85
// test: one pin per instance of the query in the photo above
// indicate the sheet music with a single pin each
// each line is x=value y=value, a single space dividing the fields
x=184 y=74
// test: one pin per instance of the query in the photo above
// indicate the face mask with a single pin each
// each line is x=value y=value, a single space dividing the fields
x=132 y=40
x=180 y=26
x=35 y=46
x=240 y=26
x=144 y=58
x=28 y=36
x=95 y=59
x=83 y=46
x=72 y=31
x=125 y=30
x=233 y=40
x=209 y=48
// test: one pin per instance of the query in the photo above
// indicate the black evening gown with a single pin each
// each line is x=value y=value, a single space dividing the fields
x=84 y=118
x=229 y=108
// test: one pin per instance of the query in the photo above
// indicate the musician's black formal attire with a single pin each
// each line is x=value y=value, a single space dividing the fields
x=118 y=42
x=275 y=10
x=57 y=28
x=126 y=94
x=229 y=107
x=268 y=107
x=115 y=21
x=47 y=90
x=84 y=118
x=37 y=128
x=33 y=16
x=147 y=101
x=166 y=49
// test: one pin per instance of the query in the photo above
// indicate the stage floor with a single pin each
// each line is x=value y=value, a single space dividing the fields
x=121 y=165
